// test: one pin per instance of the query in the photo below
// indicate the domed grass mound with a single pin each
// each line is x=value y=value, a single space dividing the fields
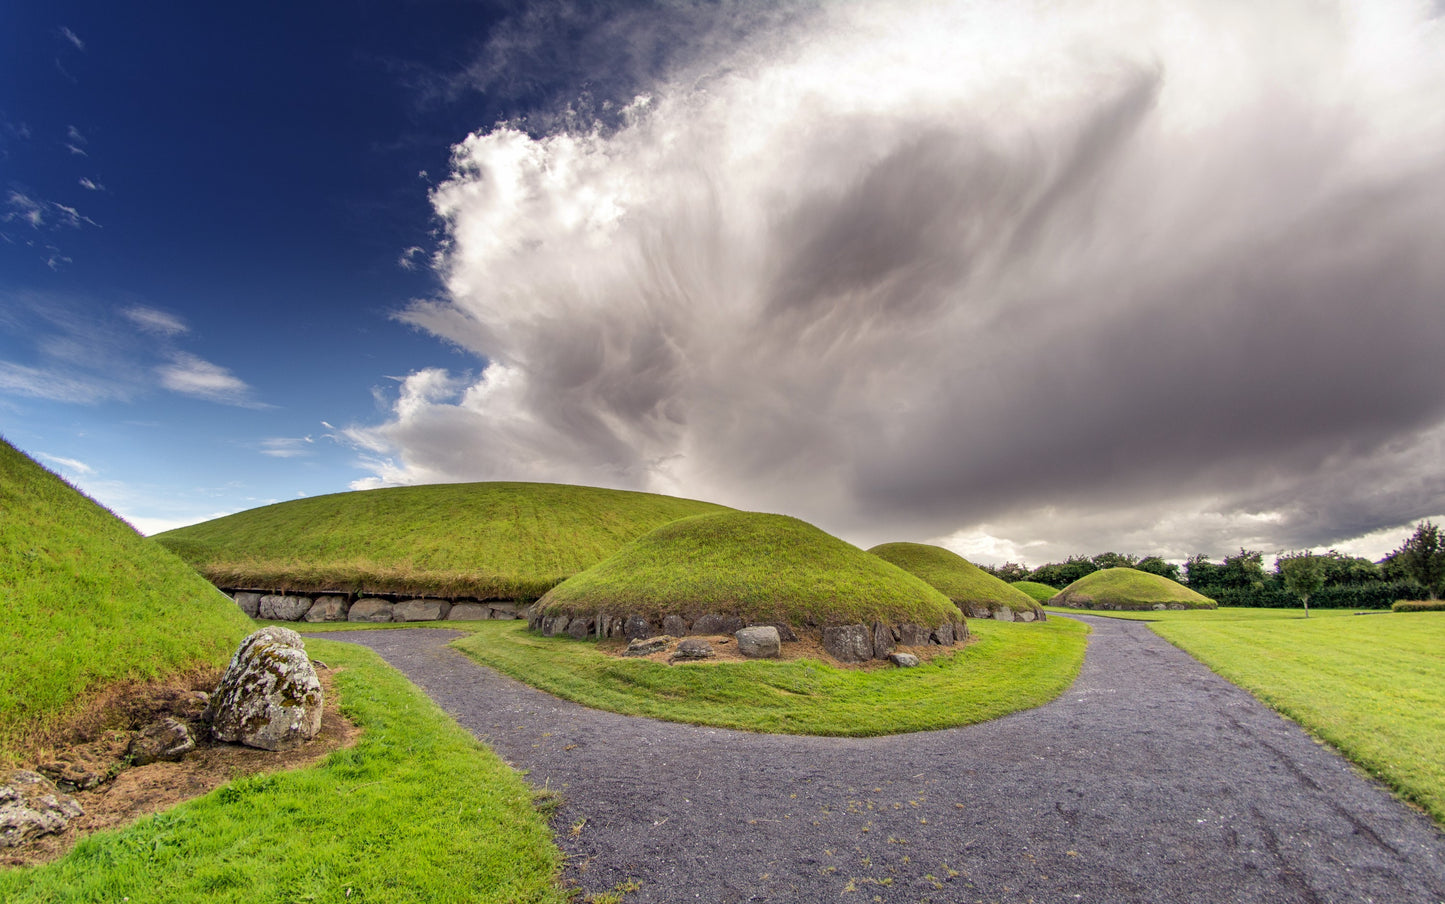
x=1129 y=589
x=87 y=602
x=975 y=591
x=1039 y=592
x=756 y=568
x=482 y=540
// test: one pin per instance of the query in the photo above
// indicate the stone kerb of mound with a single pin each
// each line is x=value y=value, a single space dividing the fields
x=846 y=643
x=340 y=607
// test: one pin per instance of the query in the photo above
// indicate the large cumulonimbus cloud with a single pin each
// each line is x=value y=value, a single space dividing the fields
x=1168 y=277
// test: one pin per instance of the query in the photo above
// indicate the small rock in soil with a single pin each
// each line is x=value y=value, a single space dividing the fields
x=31 y=805
x=692 y=648
x=168 y=739
x=903 y=660
x=644 y=646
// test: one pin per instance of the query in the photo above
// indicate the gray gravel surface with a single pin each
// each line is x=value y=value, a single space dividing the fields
x=1151 y=780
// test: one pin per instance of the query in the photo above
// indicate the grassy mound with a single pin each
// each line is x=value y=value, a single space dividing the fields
x=1036 y=591
x=1129 y=588
x=761 y=568
x=969 y=586
x=88 y=602
x=480 y=540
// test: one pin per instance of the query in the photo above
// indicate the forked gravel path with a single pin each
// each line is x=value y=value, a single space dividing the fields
x=1150 y=780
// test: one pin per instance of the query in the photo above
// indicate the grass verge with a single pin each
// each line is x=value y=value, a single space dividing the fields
x=418 y=810
x=1011 y=667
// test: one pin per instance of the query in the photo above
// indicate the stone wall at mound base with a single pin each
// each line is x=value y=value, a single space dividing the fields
x=339 y=607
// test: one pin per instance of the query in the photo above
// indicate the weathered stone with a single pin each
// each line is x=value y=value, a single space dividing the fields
x=716 y=624
x=554 y=624
x=534 y=618
x=580 y=628
x=284 y=608
x=692 y=648
x=1025 y=615
x=903 y=660
x=960 y=631
x=1157 y=607
x=943 y=634
x=882 y=640
x=469 y=612
x=249 y=602
x=72 y=776
x=785 y=631
x=675 y=625
x=1177 y=607
x=168 y=739
x=636 y=626
x=914 y=635
x=370 y=609
x=506 y=610
x=759 y=642
x=420 y=610
x=1003 y=613
x=849 y=643
x=269 y=696
x=644 y=646
x=30 y=805
x=327 y=608
x=977 y=610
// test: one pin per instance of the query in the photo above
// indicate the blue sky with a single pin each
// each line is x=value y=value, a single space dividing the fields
x=1028 y=282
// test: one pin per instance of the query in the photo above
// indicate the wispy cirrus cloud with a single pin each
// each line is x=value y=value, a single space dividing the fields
x=1054 y=281
x=155 y=321
x=40 y=214
x=72 y=465
x=287 y=446
x=194 y=376
x=72 y=38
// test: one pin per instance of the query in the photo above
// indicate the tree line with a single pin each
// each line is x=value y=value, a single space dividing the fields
x=1329 y=580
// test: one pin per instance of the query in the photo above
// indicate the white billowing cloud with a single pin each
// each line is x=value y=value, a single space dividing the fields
x=190 y=375
x=155 y=321
x=1156 y=278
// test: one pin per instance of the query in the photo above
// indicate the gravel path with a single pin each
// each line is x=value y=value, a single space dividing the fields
x=1150 y=780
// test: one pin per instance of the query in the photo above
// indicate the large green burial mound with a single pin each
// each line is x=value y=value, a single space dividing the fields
x=88 y=602
x=479 y=540
x=1129 y=589
x=759 y=569
x=1039 y=592
x=975 y=591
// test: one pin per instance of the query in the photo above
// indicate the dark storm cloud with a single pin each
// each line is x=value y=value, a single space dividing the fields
x=1118 y=277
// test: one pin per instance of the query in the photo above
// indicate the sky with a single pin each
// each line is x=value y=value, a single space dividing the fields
x=1024 y=279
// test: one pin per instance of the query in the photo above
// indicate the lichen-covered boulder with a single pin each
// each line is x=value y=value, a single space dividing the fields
x=30 y=805
x=849 y=643
x=284 y=608
x=168 y=739
x=269 y=696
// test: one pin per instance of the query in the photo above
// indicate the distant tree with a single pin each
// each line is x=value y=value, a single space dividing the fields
x=1010 y=572
x=1114 y=560
x=1156 y=565
x=1303 y=574
x=1422 y=558
x=1061 y=574
x=1245 y=570
x=1199 y=571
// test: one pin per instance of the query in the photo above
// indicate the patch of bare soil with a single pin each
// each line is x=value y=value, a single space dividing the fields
x=94 y=744
x=809 y=645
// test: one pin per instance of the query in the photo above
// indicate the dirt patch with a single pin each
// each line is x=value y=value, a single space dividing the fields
x=807 y=646
x=95 y=742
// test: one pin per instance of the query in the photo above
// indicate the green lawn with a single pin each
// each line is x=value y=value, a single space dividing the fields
x=1371 y=685
x=1011 y=667
x=483 y=540
x=417 y=811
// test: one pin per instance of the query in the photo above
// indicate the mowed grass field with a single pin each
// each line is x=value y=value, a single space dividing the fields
x=418 y=810
x=1373 y=686
x=480 y=540
x=1011 y=667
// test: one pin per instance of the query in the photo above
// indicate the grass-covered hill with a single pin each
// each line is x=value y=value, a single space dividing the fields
x=87 y=602
x=1039 y=592
x=1129 y=588
x=479 y=540
x=761 y=568
x=971 y=588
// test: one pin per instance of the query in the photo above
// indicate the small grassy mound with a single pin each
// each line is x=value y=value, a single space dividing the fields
x=957 y=578
x=1036 y=591
x=1129 y=588
x=1419 y=606
x=479 y=540
x=761 y=568
x=88 y=602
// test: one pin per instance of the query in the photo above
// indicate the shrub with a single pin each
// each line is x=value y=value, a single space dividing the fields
x=1418 y=606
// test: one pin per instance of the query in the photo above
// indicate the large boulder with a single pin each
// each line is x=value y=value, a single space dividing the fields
x=421 y=610
x=469 y=612
x=370 y=610
x=716 y=624
x=250 y=602
x=30 y=805
x=284 y=608
x=759 y=642
x=849 y=643
x=269 y=696
x=327 y=608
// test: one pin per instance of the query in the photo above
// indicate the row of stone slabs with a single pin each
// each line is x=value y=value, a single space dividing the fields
x=336 y=608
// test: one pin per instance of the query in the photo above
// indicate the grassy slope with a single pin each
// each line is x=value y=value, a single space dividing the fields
x=954 y=576
x=1011 y=667
x=417 y=811
x=88 y=602
x=760 y=567
x=1035 y=590
x=1128 y=588
x=487 y=540
x=1373 y=686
